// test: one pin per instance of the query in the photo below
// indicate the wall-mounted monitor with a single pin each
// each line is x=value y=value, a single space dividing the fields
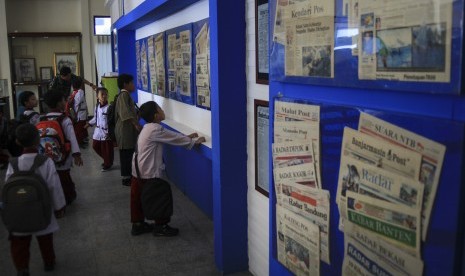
x=102 y=25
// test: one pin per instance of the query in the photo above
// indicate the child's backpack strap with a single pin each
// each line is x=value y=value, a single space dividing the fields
x=14 y=164
x=39 y=160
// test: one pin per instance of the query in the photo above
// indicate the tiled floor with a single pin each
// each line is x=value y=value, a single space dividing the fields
x=95 y=238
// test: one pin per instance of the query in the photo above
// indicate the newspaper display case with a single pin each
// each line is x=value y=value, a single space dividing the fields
x=408 y=75
x=368 y=44
x=441 y=249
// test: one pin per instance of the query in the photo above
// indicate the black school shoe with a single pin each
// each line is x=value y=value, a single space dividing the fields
x=140 y=228
x=126 y=182
x=165 y=231
x=49 y=267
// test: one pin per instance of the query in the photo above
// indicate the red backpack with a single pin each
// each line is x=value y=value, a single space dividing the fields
x=53 y=142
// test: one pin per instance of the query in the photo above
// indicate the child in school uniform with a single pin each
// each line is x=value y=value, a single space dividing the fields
x=77 y=102
x=102 y=144
x=29 y=100
x=56 y=102
x=28 y=136
x=148 y=169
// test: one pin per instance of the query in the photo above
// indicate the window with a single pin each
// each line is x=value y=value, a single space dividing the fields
x=102 y=25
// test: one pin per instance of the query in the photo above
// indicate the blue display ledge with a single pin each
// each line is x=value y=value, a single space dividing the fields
x=226 y=161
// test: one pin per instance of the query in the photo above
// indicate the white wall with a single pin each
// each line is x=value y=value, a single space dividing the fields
x=129 y=5
x=197 y=119
x=258 y=207
x=43 y=16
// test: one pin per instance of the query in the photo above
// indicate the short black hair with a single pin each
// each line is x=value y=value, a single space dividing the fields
x=124 y=78
x=148 y=110
x=24 y=97
x=53 y=97
x=27 y=135
x=77 y=83
x=65 y=70
x=101 y=89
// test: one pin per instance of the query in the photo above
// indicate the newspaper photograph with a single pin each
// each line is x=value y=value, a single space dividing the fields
x=160 y=65
x=358 y=260
x=309 y=45
x=396 y=159
x=292 y=153
x=152 y=64
x=311 y=204
x=301 y=244
x=378 y=183
x=288 y=111
x=398 y=46
x=432 y=156
x=400 y=259
x=171 y=80
x=399 y=225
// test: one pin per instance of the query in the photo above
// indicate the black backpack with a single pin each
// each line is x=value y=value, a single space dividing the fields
x=27 y=205
x=111 y=118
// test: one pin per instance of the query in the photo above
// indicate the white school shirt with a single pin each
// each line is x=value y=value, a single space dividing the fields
x=80 y=105
x=100 y=121
x=68 y=131
x=150 y=148
x=50 y=175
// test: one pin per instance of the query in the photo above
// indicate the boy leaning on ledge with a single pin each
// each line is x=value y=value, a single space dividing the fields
x=151 y=196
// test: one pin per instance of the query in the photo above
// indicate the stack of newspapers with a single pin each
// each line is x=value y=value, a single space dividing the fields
x=387 y=182
x=302 y=209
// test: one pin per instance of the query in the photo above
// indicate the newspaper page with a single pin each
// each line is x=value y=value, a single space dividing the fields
x=399 y=225
x=262 y=38
x=303 y=174
x=144 y=66
x=398 y=258
x=138 y=61
x=186 y=56
x=432 y=154
x=202 y=61
x=298 y=131
x=358 y=260
x=292 y=153
x=405 y=40
x=280 y=235
x=377 y=183
x=353 y=23
x=301 y=244
x=160 y=65
x=311 y=204
x=152 y=64
x=382 y=154
x=289 y=111
x=172 y=50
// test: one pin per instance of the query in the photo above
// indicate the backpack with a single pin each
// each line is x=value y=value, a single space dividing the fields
x=111 y=118
x=53 y=142
x=27 y=205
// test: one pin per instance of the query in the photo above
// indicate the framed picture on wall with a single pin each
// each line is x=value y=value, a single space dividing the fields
x=66 y=59
x=262 y=138
x=261 y=42
x=25 y=69
x=46 y=73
